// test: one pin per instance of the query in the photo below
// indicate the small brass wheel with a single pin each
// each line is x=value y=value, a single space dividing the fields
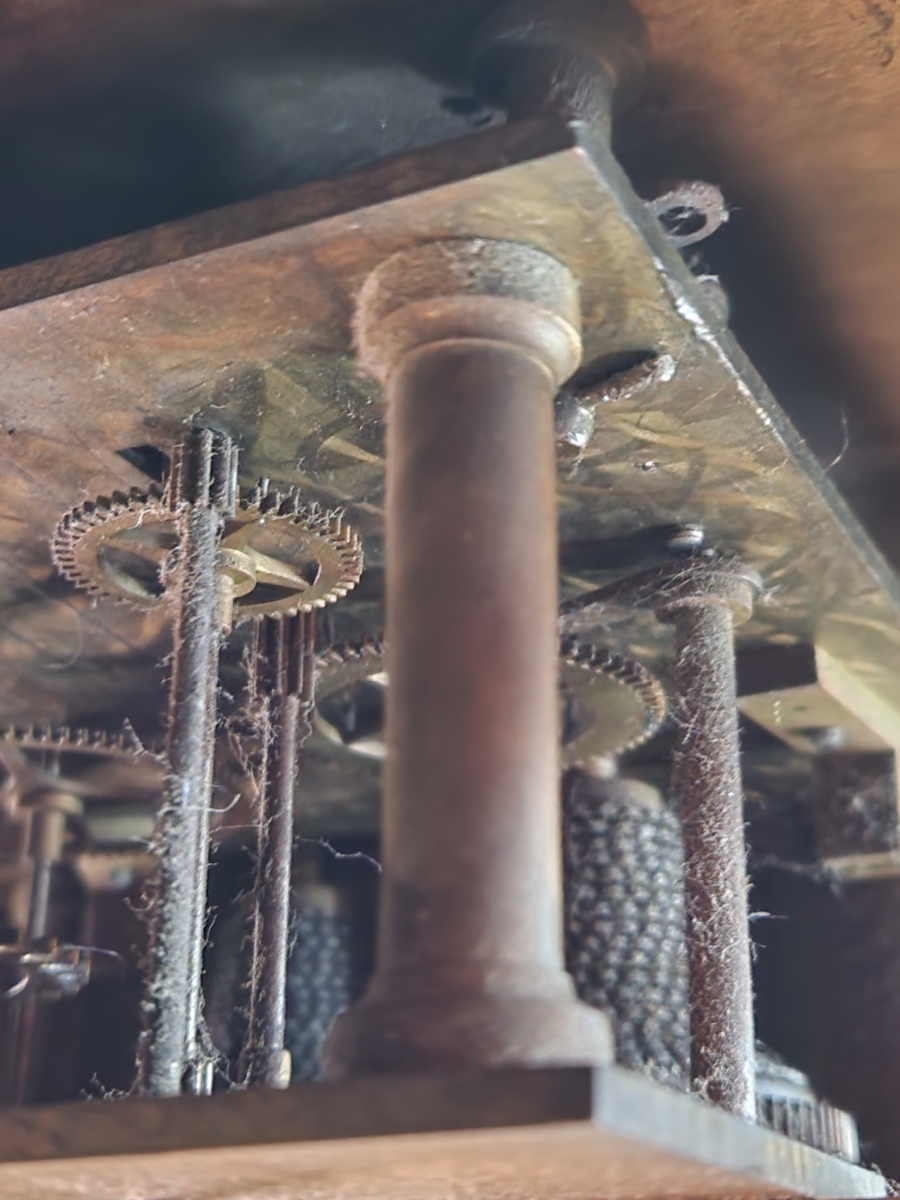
x=278 y=555
x=608 y=703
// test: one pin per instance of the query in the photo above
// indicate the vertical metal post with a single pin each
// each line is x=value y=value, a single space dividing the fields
x=203 y=493
x=702 y=601
x=284 y=679
x=47 y=838
x=48 y=830
x=472 y=339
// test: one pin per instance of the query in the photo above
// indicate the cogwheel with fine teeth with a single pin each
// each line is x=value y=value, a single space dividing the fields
x=87 y=763
x=63 y=739
x=109 y=785
x=609 y=703
x=281 y=554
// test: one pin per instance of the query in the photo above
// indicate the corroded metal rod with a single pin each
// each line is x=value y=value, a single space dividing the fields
x=202 y=492
x=701 y=601
x=284 y=679
x=48 y=830
x=472 y=339
x=703 y=597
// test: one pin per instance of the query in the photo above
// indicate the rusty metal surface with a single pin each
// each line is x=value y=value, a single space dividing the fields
x=706 y=782
x=203 y=495
x=703 y=597
x=537 y=1134
x=282 y=683
x=472 y=341
x=253 y=333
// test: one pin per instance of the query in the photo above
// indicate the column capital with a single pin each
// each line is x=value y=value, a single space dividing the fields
x=470 y=289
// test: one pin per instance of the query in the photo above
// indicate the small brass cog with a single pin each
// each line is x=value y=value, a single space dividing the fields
x=280 y=554
x=609 y=703
x=350 y=681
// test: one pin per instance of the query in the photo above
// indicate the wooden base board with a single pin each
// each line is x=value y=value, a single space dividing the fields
x=555 y=1134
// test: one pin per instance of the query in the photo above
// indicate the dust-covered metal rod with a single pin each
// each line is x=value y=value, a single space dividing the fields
x=702 y=600
x=284 y=683
x=202 y=493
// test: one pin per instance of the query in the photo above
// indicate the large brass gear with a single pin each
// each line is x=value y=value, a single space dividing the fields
x=609 y=703
x=281 y=554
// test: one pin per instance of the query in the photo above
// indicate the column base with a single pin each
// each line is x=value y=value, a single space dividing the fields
x=437 y=1032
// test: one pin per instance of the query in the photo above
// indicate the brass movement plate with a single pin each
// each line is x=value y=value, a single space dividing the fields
x=242 y=317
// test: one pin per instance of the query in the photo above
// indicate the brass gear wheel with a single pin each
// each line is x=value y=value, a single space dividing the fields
x=283 y=555
x=64 y=739
x=105 y=789
x=609 y=703
x=19 y=744
x=110 y=785
x=341 y=669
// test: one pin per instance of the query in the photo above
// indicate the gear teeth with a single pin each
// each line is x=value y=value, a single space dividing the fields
x=257 y=496
x=364 y=654
x=342 y=550
x=85 y=517
x=368 y=651
x=630 y=674
x=325 y=523
x=65 y=739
